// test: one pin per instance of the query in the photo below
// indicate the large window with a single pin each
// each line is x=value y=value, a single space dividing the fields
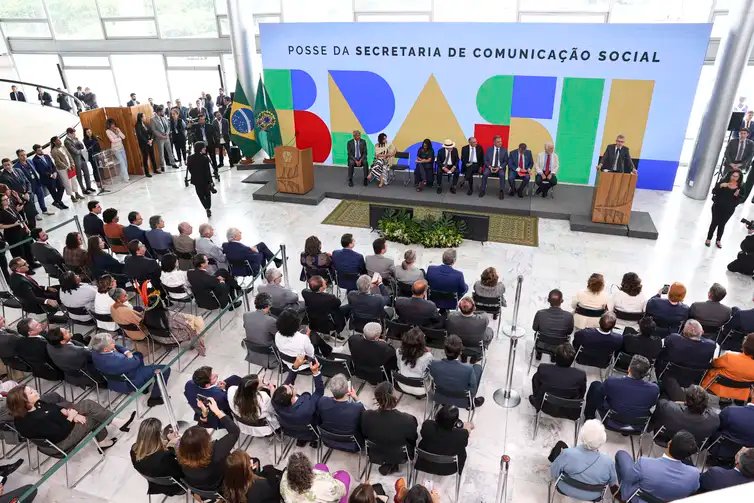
x=130 y=71
x=186 y=18
x=100 y=81
x=187 y=85
x=130 y=28
x=28 y=9
x=38 y=69
x=126 y=8
x=74 y=19
x=34 y=29
x=327 y=11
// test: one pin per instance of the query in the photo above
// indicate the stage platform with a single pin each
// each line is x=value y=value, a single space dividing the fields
x=569 y=202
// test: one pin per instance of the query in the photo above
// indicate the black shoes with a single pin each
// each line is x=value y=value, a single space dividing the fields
x=126 y=425
x=481 y=193
x=209 y=213
x=511 y=192
x=6 y=470
x=155 y=400
x=452 y=190
x=388 y=469
x=479 y=401
x=350 y=183
x=175 y=166
x=148 y=175
x=366 y=182
x=278 y=262
x=520 y=194
x=470 y=191
x=501 y=195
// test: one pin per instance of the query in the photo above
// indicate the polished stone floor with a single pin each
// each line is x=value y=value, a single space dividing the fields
x=563 y=260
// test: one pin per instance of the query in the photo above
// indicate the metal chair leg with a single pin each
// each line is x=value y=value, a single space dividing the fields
x=536 y=425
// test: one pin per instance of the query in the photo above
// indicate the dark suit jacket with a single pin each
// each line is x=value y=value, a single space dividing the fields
x=190 y=390
x=44 y=98
x=625 y=164
x=565 y=382
x=117 y=363
x=676 y=417
x=453 y=375
x=630 y=397
x=416 y=311
x=94 y=226
x=465 y=155
x=368 y=356
x=143 y=135
x=48 y=256
x=595 y=341
x=131 y=232
x=636 y=344
x=73 y=357
x=438 y=440
x=142 y=268
x=16 y=180
x=513 y=160
x=237 y=252
x=29 y=293
x=34 y=351
x=303 y=411
x=718 y=477
x=160 y=464
x=502 y=154
x=686 y=352
x=203 y=284
x=440 y=159
x=368 y=306
x=17 y=96
x=736 y=421
x=390 y=429
x=349 y=261
x=44 y=165
x=198 y=166
x=471 y=329
x=318 y=306
x=351 y=150
x=732 y=150
x=446 y=279
x=8 y=341
x=340 y=417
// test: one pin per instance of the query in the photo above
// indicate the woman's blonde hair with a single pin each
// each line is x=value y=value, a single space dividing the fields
x=149 y=439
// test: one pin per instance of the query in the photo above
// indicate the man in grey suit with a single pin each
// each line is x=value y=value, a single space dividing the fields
x=260 y=327
x=79 y=155
x=454 y=376
x=471 y=327
x=49 y=257
x=357 y=156
x=417 y=310
x=739 y=152
x=282 y=297
x=71 y=356
x=711 y=313
x=161 y=131
x=209 y=248
x=617 y=158
x=379 y=263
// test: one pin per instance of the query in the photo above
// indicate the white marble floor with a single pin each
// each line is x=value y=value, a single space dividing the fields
x=563 y=260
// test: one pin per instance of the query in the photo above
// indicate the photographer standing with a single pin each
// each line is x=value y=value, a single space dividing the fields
x=198 y=166
x=725 y=196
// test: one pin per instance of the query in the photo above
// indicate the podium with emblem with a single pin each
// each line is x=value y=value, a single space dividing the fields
x=294 y=170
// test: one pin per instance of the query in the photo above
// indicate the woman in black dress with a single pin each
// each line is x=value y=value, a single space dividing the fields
x=14 y=229
x=144 y=135
x=725 y=196
x=93 y=148
x=154 y=456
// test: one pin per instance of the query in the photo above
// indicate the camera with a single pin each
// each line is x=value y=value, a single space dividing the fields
x=748 y=223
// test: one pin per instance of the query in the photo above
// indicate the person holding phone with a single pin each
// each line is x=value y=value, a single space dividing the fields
x=725 y=197
x=297 y=411
x=341 y=413
x=204 y=384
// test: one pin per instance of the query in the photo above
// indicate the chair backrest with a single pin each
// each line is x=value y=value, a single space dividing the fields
x=552 y=397
x=78 y=311
x=341 y=276
x=162 y=481
x=625 y=424
x=396 y=329
x=404 y=289
x=262 y=349
x=175 y=289
x=242 y=265
x=184 y=255
x=731 y=383
x=299 y=431
x=549 y=340
x=338 y=363
x=435 y=295
x=336 y=440
x=414 y=382
x=203 y=493
x=577 y=484
x=594 y=357
x=381 y=454
x=16 y=363
x=685 y=376
x=435 y=460
x=627 y=316
x=435 y=336
x=639 y=494
x=490 y=305
x=589 y=312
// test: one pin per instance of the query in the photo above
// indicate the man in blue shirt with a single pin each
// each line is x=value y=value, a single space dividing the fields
x=455 y=376
x=341 y=413
x=445 y=278
x=295 y=411
x=347 y=261
x=629 y=396
x=206 y=383
x=157 y=238
x=93 y=224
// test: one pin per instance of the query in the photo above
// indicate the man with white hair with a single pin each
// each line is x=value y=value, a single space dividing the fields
x=547 y=167
x=341 y=413
x=369 y=302
x=471 y=327
x=184 y=245
x=373 y=358
x=282 y=297
x=445 y=278
x=214 y=253
x=688 y=350
x=246 y=260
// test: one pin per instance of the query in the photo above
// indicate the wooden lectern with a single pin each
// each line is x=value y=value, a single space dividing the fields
x=613 y=197
x=294 y=170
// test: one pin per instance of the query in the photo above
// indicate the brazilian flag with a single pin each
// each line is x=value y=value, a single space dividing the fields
x=242 y=126
x=266 y=124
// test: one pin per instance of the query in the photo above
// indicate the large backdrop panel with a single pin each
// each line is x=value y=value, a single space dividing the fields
x=575 y=85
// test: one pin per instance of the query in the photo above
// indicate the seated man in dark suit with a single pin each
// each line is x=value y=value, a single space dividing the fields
x=93 y=224
x=741 y=322
x=693 y=414
x=70 y=356
x=295 y=411
x=630 y=396
x=206 y=383
x=34 y=298
x=453 y=375
x=417 y=310
x=369 y=302
x=237 y=253
x=208 y=289
x=140 y=267
x=599 y=343
x=8 y=340
x=688 y=350
x=324 y=309
x=445 y=278
x=50 y=258
x=735 y=424
x=711 y=313
x=348 y=262
x=133 y=231
x=553 y=322
x=369 y=352
x=645 y=343
x=471 y=327
x=32 y=347
x=341 y=413
x=718 y=477
x=520 y=162
x=157 y=238
x=560 y=379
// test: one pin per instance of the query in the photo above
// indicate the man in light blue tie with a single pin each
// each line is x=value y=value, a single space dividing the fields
x=495 y=161
x=357 y=152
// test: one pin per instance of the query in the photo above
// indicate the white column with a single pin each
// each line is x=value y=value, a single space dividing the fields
x=244 y=44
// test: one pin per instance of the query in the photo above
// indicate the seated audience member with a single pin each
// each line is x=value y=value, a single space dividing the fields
x=159 y=240
x=389 y=428
x=445 y=436
x=413 y=358
x=314 y=261
x=242 y=484
x=559 y=379
x=341 y=413
x=100 y=262
x=733 y=365
x=32 y=347
x=369 y=493
x=184 y=246
x=379 y=263
x=453 y=375
x=206 y=383
x=628 y=299
x=173 y=277
x=735 y=424
x=554 y=321
x=210 y=289
x=445 y=278
x=64 y=424
x=547 y=166
x=416 y=494
x=111 y=359
x=471 y=327
x=667 y=478
x=689 y=349
x=669 y=313
x=114 y=230
x=208 y=247
x=33 y=297
x=324 y=309
x=8 y=340
x=251 y=403
x=75 y=294
x=202 y=459
x=282 y=297
x=70 y=356
x=49 y=257
x=154 y=456
x=260 y=327
x=303 y=483
x=133 y=231
x=741 y=323
x=490 y=286
x=645 y=343
x=291 y=342
x=238 y=255
x=103 y=302
x=717 y=477
x=93 y=224
x=408 y=272
x=593 y=298
x=584 y=462
x=369 y=352
x=417 y=310
x=346 y=261
x=295 y=411
x=600 y=343
x=687 y=409
x=74 y=255
x=181 y=327
x=712 y=313
x=629 y=397
x=124 y=314
x=140 y=267
x=369 y=302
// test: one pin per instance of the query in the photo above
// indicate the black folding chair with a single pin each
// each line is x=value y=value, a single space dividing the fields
x=627 y=316
x=396 y=329
x=337 y=363
x=590 y=312
x=626 y=426
x=490 y=305
x=686 y=376
x=385 y=455
x=52 y=451
x=644 y=496
x=91 y=323
x=283 y=361
x=289 y=435
x=544 y=344
x=576 y=484
x=403 y=289
x=263 y=350
x=336 y=441
x=460 y=399
x=372 y=375
x=345 y=276
x=399 y=380
x=591 y=357
x=572 y=408
x=204 y=494
x=440 y=295
x=163 y=481
x=435 y=337
x=400 y=168
x=178 y=294
x=731 y=341
x=421 y=457
x=730 y=383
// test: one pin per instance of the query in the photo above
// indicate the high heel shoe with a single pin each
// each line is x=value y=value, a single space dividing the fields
x=706 y=243
x=717 y=243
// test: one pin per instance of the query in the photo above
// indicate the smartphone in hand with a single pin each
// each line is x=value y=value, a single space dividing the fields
x=665 y=289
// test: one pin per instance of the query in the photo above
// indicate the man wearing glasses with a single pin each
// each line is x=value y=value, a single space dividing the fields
x=617 y=158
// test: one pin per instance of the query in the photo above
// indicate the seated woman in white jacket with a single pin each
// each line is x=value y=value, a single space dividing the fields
x=628 y=299
x=251 y=405
x=593 y=298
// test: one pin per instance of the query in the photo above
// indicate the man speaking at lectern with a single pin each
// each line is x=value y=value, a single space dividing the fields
x=617 y=158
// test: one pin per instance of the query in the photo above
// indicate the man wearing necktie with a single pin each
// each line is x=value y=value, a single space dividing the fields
x=520 y=161
x=25 y=166
x=495 y=162
x=447 y=165
x=49 y=176
x=356 y=149
x=17 y=182
x=546 y=167
x=472 y=156
x=16 y=95
x=617 y=157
